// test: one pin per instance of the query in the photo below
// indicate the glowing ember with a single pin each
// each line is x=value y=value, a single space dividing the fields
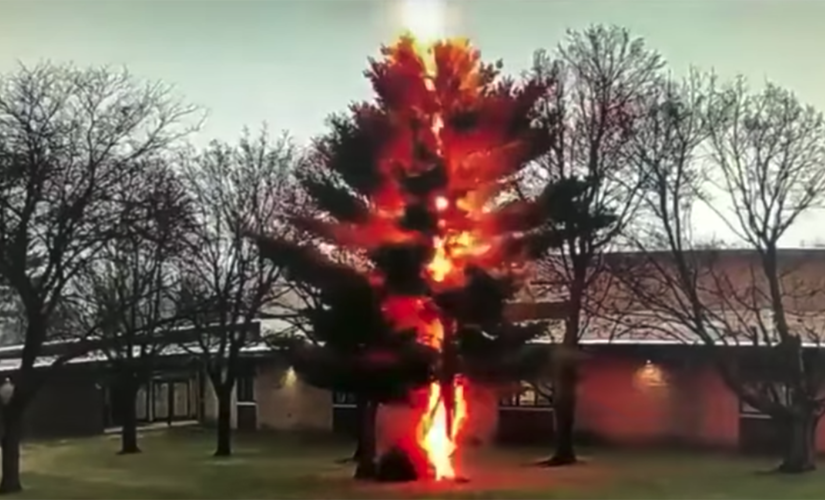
x=442 y=203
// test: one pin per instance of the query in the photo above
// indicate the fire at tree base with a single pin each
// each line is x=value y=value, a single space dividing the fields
x=431 y=455
x=398 y=465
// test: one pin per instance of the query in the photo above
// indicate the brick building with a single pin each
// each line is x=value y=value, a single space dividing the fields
x=638 y=389
x=644 y=387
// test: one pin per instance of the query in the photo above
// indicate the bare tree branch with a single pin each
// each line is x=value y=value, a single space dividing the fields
x=72 y=143
x=589 y=182
x=225 y=283
x=765 y=151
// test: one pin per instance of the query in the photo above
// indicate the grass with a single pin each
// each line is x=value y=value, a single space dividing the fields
x=178 y=464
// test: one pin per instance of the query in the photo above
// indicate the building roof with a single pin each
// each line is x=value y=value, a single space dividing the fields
x=11 y=364
x=183 y=344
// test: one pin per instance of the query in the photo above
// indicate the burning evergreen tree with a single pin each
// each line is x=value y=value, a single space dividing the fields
x=421 y=183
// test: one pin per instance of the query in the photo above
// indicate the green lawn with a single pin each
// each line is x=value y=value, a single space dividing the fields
x=178 y=464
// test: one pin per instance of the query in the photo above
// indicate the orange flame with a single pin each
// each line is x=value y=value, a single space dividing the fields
x=438 y=441
x=441 y=265
x=437 y=430
x=452 y=253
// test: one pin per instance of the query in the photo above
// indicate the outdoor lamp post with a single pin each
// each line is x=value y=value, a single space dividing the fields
x=6 y=391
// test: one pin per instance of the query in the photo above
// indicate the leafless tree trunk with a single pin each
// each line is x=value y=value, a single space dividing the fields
x=365 y=455
x=223 y=393
x=129 y=386
x=71 y=145
x=603 y=74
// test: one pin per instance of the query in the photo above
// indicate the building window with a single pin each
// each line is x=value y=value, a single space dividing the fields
x=343 y=399
x=246 y=388
x=526 y=397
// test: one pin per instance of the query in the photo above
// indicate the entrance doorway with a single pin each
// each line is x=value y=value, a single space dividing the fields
x=162 y=399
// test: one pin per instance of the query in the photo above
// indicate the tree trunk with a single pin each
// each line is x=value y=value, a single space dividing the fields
x=359 y=412
x=567 y=358
x=128 y=433
x=12 y=434
x=564 y=411
x=224 y=433
x=367 y=442
x=355 y=454
x=799 y=453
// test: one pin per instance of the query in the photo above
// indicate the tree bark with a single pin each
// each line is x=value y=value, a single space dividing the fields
x=799 y=453
x=224 y=430
x=128 y=432
x=564 y=411
x=367 y=441
x=359 y=412
x=567 y=377
x=10 y=442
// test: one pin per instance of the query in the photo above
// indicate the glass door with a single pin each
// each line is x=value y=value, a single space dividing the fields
x=142 y=404
x=160 y=401
x=180 y=400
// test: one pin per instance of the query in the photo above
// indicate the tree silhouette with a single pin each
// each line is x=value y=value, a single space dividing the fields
x=764 y=151
x=224 y=283
x=419 y=187
x=72 y=145
x=125 y=295
x=603 y=76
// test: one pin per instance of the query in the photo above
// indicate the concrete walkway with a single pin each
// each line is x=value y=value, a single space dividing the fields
x=155 y=426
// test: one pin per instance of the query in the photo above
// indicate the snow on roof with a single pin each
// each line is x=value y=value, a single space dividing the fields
x=597 y=332
x=7 y=365
x=612 y=332
x=269 y=327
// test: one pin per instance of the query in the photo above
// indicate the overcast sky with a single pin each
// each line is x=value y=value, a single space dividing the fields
x=292 y=62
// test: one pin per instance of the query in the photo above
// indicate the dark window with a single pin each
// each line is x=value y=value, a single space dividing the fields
x=246 y=388
x=526 y=397
x=343 y=399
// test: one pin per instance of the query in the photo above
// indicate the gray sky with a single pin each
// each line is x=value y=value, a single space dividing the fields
x=292 y=62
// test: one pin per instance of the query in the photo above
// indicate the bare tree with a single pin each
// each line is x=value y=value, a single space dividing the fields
x=70 y=141
x=124 y=294
x=603 y=76
x=237 y=190
x=764 y=151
